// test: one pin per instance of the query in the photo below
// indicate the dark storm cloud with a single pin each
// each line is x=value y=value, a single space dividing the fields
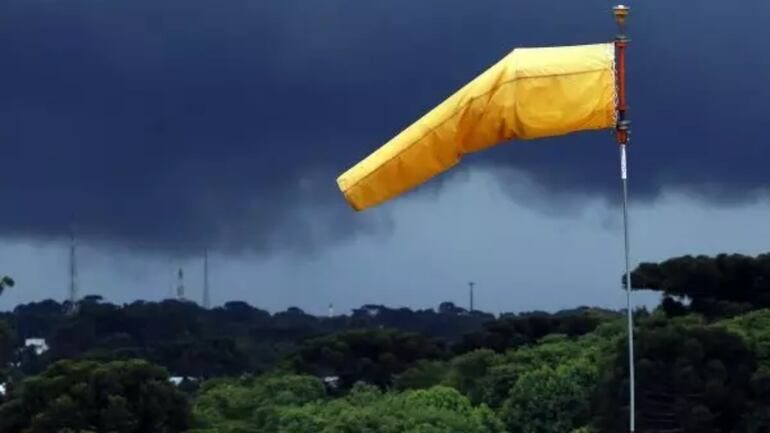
x=172 y=124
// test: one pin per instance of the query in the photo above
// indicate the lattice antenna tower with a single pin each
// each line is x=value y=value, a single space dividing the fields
x=206 y=288
x=72 y=292
x=180 y=285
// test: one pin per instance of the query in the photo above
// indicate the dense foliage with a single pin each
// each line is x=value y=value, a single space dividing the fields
x=6 y=349
x=727 y=284
x=6 y=282
x=370 y=355
x=239 y=339
x=298 y=404
x=703 y=365
x=125 y=397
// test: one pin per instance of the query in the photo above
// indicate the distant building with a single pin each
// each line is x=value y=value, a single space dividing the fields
x=177 y=380
x=331 y=382
x=370 y=310
x=38 y=344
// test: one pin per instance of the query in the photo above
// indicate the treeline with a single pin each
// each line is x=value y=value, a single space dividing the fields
x=703 y=365
x=238 y=338
x=694 y=376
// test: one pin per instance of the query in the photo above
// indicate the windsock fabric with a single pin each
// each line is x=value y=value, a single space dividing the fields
x=531 y=93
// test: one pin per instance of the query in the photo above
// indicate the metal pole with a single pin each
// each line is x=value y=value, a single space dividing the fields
x=629 y=307
x=623 y=128
x=73 y=288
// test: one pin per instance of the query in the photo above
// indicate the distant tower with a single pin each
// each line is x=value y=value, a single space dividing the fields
x=470 y=286
x=331 y=310
x=72 y=295
x=206 y=293
x=171 y=281
x=180 y=285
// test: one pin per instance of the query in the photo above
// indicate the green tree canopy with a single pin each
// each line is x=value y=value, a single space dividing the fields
x=371 y=355
x=696 y=378
x=726 y=284
x=5 y=283
x=365 y=409
x=6 y=349
x=116 y=397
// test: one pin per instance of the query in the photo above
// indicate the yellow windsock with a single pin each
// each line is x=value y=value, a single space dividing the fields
x=530 y=93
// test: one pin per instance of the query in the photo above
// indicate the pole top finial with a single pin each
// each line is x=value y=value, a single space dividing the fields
x=621 y=12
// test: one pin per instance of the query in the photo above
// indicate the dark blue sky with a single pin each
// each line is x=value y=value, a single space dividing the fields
x=162 y=126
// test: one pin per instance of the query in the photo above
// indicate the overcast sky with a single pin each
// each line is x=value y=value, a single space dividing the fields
x=156 y=128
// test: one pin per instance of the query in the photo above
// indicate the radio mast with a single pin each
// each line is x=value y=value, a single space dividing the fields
x=72 y=292
x=180 y=285
x=206 y=290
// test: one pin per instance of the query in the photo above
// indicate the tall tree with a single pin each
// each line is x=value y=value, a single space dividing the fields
x=694 y=378
x=6 y=348
x=712 y=283
x=5 y=283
